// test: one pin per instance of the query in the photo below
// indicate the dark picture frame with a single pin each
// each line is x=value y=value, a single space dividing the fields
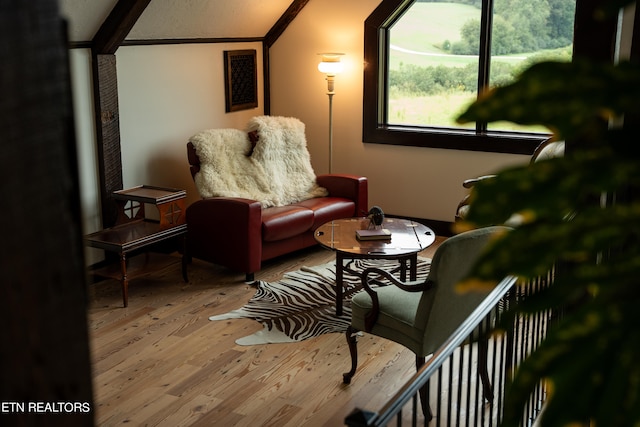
x=241 y=80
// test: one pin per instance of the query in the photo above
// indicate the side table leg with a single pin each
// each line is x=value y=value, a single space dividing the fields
x=125 y=280
x=339 y=284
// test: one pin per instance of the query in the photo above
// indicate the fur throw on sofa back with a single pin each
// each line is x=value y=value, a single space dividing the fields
x=276 y=172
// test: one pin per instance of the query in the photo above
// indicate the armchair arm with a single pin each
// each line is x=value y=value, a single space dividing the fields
x=348 y=186
x=413 y=286
x=468 y=183
x=226 y=231
x=462 y=206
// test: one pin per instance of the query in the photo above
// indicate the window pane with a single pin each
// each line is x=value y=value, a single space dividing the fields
x=432 y=76
x=434 y=47
x=525 y=32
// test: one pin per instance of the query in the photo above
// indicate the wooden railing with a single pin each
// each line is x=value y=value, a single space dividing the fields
x=455 y=393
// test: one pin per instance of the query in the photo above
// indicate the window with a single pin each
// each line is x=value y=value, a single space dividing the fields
x=427 y=60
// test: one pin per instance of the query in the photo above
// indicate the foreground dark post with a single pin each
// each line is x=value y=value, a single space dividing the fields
x=44 y=357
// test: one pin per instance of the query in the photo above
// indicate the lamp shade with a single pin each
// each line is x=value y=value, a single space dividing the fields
x=330 y=64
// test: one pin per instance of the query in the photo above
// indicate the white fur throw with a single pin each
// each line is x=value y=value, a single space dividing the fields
x=277 y=173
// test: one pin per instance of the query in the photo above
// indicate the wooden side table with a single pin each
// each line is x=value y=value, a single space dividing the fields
x=134 y=230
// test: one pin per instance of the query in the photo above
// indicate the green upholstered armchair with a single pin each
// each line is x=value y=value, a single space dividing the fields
x=422 y=315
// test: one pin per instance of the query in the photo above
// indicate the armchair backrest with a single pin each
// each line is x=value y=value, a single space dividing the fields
x=443 y=309
x=548 y=149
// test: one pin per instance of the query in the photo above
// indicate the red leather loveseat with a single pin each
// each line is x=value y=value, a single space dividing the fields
x=241 y=232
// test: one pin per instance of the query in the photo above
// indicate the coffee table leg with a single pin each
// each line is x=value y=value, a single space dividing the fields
x=125 y=280
x=339 y=289
x=403 y=269
x=413 y=265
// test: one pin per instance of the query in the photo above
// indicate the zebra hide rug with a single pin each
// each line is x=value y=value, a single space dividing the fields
x=301 y=305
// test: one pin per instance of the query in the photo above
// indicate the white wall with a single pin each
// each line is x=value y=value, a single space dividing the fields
x=410 y=181
x=166 y=94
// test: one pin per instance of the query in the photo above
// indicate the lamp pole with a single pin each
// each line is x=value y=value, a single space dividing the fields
x=330 y=93
x=330 y=66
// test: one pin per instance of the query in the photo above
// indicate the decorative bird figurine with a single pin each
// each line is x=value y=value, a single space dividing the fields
x=376 y=217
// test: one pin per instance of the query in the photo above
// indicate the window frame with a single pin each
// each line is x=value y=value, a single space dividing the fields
x=375 y=126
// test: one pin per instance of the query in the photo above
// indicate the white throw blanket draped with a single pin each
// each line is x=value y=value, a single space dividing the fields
x=277 y=173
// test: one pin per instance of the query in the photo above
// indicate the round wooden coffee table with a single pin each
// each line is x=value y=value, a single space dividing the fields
x=407 y=239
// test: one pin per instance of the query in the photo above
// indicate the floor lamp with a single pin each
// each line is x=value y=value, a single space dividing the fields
x=330 y=65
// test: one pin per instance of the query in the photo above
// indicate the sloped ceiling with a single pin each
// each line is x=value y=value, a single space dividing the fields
x=179 y=19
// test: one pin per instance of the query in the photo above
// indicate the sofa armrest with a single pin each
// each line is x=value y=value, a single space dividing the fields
x=226 y=231
x=348 y=186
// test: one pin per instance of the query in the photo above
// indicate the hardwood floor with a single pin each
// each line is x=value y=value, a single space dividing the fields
x=161 y=362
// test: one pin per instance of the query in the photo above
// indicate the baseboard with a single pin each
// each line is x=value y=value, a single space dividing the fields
x=441 y=228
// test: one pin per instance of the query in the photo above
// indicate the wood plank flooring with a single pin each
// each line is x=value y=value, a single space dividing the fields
x=161 y=362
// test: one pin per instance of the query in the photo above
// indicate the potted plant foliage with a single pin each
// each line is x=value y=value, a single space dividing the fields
x=581 y=211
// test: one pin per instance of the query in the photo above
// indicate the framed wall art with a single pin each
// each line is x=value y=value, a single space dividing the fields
x=241 y=80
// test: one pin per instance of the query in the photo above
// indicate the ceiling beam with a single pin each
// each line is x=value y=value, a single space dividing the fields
x=284 y=21
x=270 y=38
x=117 y=25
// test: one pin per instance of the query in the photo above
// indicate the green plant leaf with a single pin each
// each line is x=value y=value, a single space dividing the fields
x=549 y=94
x=564 y=229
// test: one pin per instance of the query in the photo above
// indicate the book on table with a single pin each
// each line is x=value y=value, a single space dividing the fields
x=375 y=234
